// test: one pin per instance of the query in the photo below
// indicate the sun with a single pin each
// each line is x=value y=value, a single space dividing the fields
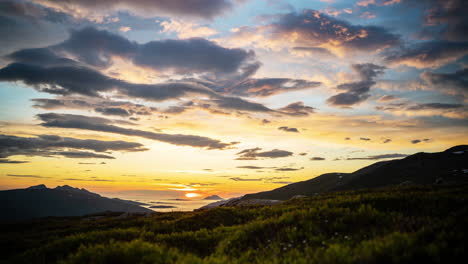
x=192 y=195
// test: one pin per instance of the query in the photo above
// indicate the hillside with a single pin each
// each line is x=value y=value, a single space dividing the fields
x=404 y=224
x=447 y=167
x=40 y=201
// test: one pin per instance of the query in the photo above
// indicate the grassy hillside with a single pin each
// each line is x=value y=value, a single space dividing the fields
x=391 y=225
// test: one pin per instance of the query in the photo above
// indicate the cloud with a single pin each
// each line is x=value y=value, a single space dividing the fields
x=317 y=158
x=429 y=54
x=416 y=141
x=456 y=111
x=270 y=86
x=357 y=92
x=185 y=29
x=365 y=139
x=235 y=103
x=105 y=125
x=207 y=9
x=387 y=98
x=81 y=155
x=456 y=82
x=252 y=167
x=312 y=51
x=288 y=129
x=7 y=161
x=52 y=145
x=27 y=176
x=195 y=55
x=297 y=109
x=311 y=28
x=113 y=111
x=66 y=80
x=289 y=169
x=254 y=153
x=449 y=18
x=379 y=157
x=245 y=179
x=125 y=29
x=27 y=24
x=265 y=179
x=366 y=3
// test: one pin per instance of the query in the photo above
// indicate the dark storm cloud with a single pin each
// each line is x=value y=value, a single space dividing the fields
x=113 y=111
x=364 y=139
x=207 y=9
x=254 y=153
x=357 y=92
x=288 y=129
x=317 y=158
x=429 y=54
x=105 y=125
x=456 y=82
x=52 y=145
x=313 y=28
x=270 y=86
x=297 y=109
x=378 y=157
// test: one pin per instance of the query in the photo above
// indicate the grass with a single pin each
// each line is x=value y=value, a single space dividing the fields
x=391 y=225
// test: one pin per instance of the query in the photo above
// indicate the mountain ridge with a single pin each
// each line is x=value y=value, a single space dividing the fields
x=40 y=201
x=449 y=166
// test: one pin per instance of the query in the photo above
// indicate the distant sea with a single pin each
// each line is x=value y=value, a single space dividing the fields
x=180 y=204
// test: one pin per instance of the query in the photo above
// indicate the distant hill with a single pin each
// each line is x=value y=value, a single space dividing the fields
x=447 y=167
x=40 y=201
x=213 y=197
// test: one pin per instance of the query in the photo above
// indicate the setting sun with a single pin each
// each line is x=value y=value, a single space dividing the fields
x=192 y=195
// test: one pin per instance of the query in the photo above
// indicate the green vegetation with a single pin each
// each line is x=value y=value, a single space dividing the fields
x=392 y=225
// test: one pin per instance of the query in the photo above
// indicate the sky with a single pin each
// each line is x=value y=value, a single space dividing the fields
x=190 y=98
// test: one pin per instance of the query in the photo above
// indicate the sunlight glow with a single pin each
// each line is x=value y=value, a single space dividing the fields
x=192 y=195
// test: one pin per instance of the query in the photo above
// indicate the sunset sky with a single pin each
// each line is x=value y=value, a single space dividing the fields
x=224 y=97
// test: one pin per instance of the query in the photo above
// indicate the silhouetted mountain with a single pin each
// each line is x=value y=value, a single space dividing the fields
x=40 y=201
x=37 y=187
x=213 y=197
x=447 y=167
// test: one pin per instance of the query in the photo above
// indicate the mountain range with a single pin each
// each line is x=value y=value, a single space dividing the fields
x=40 y=201
x=446 y=167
